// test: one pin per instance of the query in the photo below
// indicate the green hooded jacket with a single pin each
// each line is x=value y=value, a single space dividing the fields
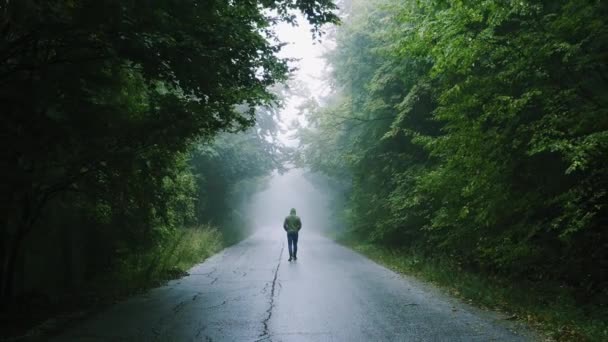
x=292 y=222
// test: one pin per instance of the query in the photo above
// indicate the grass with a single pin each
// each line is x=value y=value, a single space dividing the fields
x=166 y=261
x=548 y=308
x=136 y=273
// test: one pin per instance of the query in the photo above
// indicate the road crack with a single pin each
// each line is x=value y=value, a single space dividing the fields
x=205 y=274
x=264 y=334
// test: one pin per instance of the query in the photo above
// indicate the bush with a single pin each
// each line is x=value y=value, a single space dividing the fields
x=169 y=259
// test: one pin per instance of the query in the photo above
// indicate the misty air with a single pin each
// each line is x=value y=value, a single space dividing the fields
x=311 y=170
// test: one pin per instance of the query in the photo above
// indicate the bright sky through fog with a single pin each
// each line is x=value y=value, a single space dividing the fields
x=311 y=68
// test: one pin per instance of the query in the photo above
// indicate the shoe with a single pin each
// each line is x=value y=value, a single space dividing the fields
x=295 y=257
x=289 y=259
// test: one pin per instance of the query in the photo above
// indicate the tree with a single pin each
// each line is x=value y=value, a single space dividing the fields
x=97 y=90
x=475 y=131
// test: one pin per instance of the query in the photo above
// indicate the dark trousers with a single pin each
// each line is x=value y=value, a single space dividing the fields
x=292 y=243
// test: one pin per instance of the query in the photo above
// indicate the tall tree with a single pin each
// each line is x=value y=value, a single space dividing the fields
x=97 y=90
x=475 y=130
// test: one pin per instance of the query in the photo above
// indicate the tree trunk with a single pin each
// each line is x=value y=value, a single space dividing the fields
x=3 y=263
x=13 y=243
x=68 y=258
x=10 y=256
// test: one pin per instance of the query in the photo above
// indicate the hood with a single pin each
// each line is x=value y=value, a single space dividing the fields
x=292 y=212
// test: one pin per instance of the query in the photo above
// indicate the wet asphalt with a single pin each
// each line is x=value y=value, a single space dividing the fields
x=250 y=292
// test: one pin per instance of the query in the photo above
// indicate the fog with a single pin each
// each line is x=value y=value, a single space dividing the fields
x=293 y=189
x=267 y=209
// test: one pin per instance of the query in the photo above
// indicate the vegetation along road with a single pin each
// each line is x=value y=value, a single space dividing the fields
x=462 y=143
x=251 y=292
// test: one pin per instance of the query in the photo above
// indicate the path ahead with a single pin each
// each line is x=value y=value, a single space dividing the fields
x=250 y=292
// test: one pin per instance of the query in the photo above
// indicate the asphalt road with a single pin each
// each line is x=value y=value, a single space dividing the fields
x=250 y=292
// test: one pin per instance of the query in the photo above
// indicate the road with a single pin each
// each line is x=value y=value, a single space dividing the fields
x=250 y=292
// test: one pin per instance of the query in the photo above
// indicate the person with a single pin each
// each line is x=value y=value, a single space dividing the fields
x=292 y=226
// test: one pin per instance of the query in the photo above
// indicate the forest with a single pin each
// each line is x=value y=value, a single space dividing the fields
x=474 y=132
x=129 y=132
x=469 y=133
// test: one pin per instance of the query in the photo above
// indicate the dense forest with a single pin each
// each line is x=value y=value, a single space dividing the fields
x=468 y=131
x=474 y=131
x=129 y=134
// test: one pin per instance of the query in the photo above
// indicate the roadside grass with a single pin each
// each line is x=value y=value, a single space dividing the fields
x=171 y=260
x=548 y=308
x=136 y=273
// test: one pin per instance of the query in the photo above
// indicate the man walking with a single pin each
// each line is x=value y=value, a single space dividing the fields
x=292 y=226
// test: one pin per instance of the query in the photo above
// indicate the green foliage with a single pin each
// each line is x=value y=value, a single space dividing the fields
x=173 y=257
x=101 y=104
x=228 y=169
x=476 y=131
